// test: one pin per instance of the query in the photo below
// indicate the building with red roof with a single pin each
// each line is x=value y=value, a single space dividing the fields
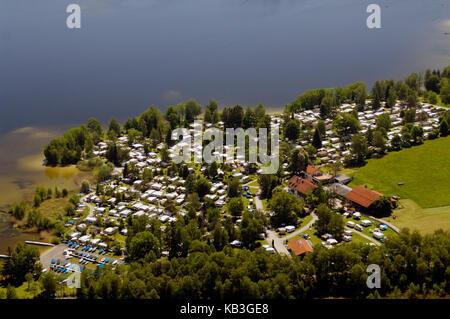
x=301 y=186
x=300 y=246
x=363 y=197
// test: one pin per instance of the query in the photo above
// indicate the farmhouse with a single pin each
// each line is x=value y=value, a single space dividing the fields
x=300 y=246
x=362 y=197
x=301 y=186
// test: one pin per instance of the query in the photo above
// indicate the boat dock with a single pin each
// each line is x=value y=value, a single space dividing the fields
x=38 y=243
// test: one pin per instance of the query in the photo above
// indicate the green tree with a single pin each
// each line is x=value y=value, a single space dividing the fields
x=234 y=188
x=336 y=226
x=358 y=147
x=267 y=183
x=235 y=206
x=411 y=100
x=381 y=207
x=392 y=97
x=192 y=109
x=193 y=201
x=220 y=237
x=48 y=283
x=95 y=128
x=23 y=260
x=417 y=134
x=286 y=208
x=346 y=124
x=172 y=116
x=432 y=97
x=133 y=136
x=298 y=161
x=143 y=244
x=321 y=126
x=432 y=83
x=317 y=139
x=409 y=116
x=396 y=142
x=250 y=228
x=18 y=211
x=11 y=292
x=379 y=141
x=202 y=186
x=114 y=126
x=443 y=128
x=324 y=215
x=249 y=119
x=445 y=90
x=377 y=95
x=292 y=130
x=383 y=121
x=212 y=170
x=85 y=187
x=104 y=172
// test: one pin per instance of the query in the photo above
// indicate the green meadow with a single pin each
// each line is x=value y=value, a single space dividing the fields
x=425 y=194
x=424 y=172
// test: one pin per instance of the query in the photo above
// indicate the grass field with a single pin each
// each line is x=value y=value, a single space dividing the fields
x=424 y=170
x=412 y=216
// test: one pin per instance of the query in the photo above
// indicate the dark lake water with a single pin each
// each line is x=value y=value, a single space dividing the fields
x=130 y=54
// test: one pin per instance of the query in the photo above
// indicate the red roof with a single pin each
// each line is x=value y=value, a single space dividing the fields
x=301 y=185
x=310 y=169
x=300 y=246
x=363 y=196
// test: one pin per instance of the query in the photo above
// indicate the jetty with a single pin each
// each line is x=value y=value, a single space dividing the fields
x=38 y=243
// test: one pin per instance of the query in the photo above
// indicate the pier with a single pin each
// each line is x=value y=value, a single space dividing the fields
x=38 y=243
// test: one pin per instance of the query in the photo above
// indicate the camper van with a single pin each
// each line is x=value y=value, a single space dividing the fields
x=377 y=235
x=366 y=222
x=358 y=227
x=351 y=224
x=347 y=238
x=290 y=229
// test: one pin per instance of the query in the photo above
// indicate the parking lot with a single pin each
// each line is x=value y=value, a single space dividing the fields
x=55 y=253
x=78 y=259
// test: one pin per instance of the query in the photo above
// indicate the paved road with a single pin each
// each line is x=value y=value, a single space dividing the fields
x=394 y=228
x=365 y=236
x=304 y=228
x=56 y=252
x=278 y=242
x=272 y=236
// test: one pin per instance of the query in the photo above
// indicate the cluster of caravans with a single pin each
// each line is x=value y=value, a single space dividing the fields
x=334 y=147
x=364 y=223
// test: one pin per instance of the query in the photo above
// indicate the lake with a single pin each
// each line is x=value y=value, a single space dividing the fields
x=9 y=236
x=130 y=54
x=21 y=170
